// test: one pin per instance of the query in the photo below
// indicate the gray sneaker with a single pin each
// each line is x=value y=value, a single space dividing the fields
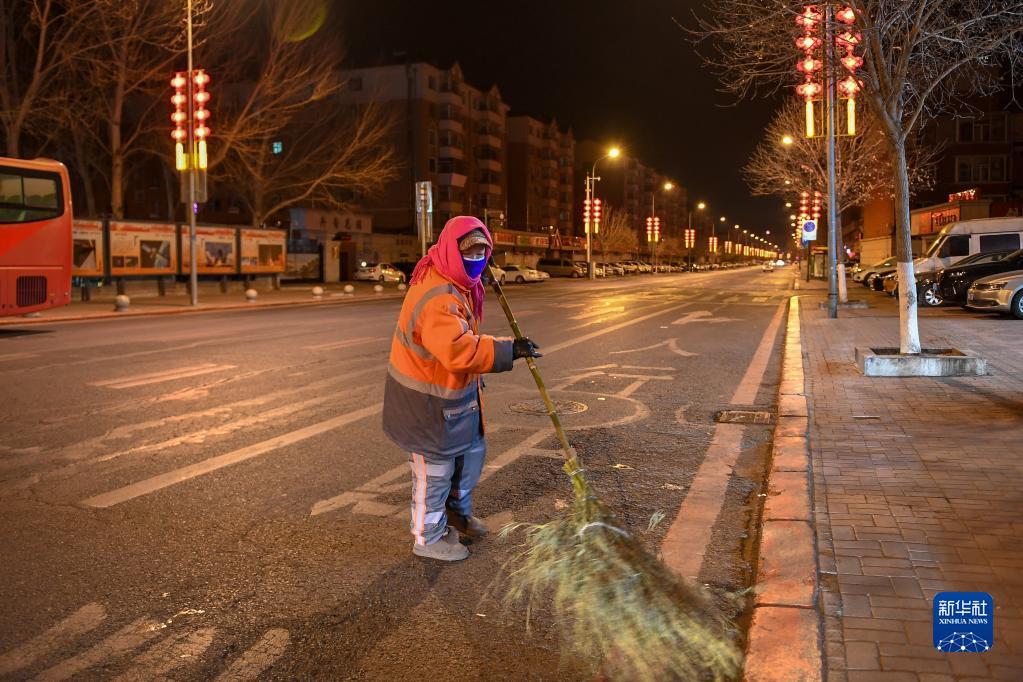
x=469 y=526
x=448 y=548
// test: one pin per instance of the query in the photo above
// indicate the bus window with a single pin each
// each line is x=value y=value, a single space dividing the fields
x=29 y=197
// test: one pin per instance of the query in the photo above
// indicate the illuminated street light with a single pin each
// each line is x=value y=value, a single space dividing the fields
x=591 y=179
x=787 y=140
x=701 y=206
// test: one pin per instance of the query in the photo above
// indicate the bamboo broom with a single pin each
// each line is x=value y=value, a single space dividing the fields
x=616 y=602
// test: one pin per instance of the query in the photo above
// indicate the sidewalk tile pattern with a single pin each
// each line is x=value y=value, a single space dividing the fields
x=918 y=489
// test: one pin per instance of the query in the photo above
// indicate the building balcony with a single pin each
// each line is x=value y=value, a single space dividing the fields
x=491 y=116
x=489 y=164
x=449 y=97
x=451 y=179
x=489 y=140
x=489 y=188
x=451 y=124
x=450 y=153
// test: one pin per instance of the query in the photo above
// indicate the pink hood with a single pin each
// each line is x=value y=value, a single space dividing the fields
x=446 y=259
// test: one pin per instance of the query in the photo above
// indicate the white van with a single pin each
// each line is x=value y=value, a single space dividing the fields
x=967 y=237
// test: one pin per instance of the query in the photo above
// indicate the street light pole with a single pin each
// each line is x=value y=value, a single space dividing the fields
x=591 y=180
x=832 y=209
x=193 y=269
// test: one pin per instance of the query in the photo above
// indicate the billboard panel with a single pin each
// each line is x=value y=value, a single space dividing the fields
x=143 y=248
x=263 y=251
x=87 y=239
x=215 y=246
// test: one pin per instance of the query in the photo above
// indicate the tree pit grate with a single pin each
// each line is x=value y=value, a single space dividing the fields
x=743 y=417
x=538 y=409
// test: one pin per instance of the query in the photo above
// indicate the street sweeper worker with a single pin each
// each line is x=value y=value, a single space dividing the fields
x=432 y=402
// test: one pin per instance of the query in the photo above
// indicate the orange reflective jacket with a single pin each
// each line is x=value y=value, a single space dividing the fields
x=431 y=398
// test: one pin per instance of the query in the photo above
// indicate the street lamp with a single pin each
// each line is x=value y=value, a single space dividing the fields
x=787 y=140
x=667 y=187
x=591 y=179
x=691 y=234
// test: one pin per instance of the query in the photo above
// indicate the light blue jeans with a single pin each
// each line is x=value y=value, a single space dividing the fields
x=442 y=484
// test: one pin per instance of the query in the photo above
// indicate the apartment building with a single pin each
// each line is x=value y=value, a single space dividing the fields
x=540 y=174
x=446 y=131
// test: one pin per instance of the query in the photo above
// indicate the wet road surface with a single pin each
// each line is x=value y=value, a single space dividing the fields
x=210 y=496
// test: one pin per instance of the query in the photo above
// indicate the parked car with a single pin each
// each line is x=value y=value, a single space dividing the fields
x=862 y=275
x=378 y=272
x=644 y=267
x=926 y=292
x=499 y=273
x=954 y=282
x=521 y=274
x=561 y=267
x=630 y=267
x=1002 y=293
x=768 y=266
x=613 y=269
x=875 y=280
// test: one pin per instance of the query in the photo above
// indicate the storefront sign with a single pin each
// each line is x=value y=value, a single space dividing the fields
x=947 y=216
x=143 y=249
x=263 y=251
x=87 y=239
x=215 y=246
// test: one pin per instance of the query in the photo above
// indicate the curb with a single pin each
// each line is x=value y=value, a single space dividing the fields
x=21 y=321
x=784 y=643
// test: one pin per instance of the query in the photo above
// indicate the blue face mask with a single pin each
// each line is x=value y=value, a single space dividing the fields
x=475 y=266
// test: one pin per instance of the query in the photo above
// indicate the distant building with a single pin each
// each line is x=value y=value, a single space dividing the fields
x=446 y=131
x=540 y=176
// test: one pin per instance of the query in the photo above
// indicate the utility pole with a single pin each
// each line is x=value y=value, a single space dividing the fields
x=829 y=42
x=193 y=207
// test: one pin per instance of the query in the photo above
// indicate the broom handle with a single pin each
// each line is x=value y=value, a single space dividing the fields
x=551 y=412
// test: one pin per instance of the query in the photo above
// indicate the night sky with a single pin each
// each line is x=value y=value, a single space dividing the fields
x=618 y=71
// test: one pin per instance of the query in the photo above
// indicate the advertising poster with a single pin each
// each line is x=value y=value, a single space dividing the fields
x=87 y=250
x=263 y=251
x=215 y=246
x=143 y=249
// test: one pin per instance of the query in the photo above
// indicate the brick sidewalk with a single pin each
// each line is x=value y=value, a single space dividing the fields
x=922 y=497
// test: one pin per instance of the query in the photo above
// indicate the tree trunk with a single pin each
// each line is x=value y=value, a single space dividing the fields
x=843 y=289
x=84 y=172
x=909 y=328
x=13 y=134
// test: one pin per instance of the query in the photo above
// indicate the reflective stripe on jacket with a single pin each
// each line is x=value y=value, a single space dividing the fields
x=431 y=399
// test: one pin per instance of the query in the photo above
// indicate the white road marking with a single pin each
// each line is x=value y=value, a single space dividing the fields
x=601 y=310
x=17 y=356
x=128 y=638
x=257 y=658
x=702 y=316
x=158 y=377
x=547 y=350
x=672 y=345
x=150 y=485
x=759 y=299
x=348 y=343
x=746 y=392
x=60 y=635
x=687 y=539
x=173 y=652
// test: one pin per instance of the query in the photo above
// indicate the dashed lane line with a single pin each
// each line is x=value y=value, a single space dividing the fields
x=257 y=658
x=158 y=377
x=163 y=657
x=127 y=639
x=63 y=633
x=150 y=485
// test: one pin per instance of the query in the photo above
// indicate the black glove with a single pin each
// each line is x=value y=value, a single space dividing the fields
x=524 y=348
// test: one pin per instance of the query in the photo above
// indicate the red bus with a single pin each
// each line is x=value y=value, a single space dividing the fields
x=35 y=236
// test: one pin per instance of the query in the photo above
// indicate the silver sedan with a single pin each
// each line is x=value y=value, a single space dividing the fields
x=1001 y=293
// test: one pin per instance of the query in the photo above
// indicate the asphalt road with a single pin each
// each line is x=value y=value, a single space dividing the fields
x=210 y=496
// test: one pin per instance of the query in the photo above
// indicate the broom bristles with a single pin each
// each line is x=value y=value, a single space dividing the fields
x=616 y=602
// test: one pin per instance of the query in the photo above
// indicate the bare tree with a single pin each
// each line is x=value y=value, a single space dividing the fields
x=616 y=233
x=920 y=57
x=284 y=89
x=38 y=40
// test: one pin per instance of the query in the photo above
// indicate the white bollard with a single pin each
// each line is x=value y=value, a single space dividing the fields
x=349 y=290
x=121 y=303
x=317 y=292
x=378 y=288
x=251 y=295
x=402 y=287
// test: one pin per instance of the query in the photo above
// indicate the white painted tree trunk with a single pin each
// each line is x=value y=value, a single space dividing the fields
x=843 y=289
x=909 y=328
